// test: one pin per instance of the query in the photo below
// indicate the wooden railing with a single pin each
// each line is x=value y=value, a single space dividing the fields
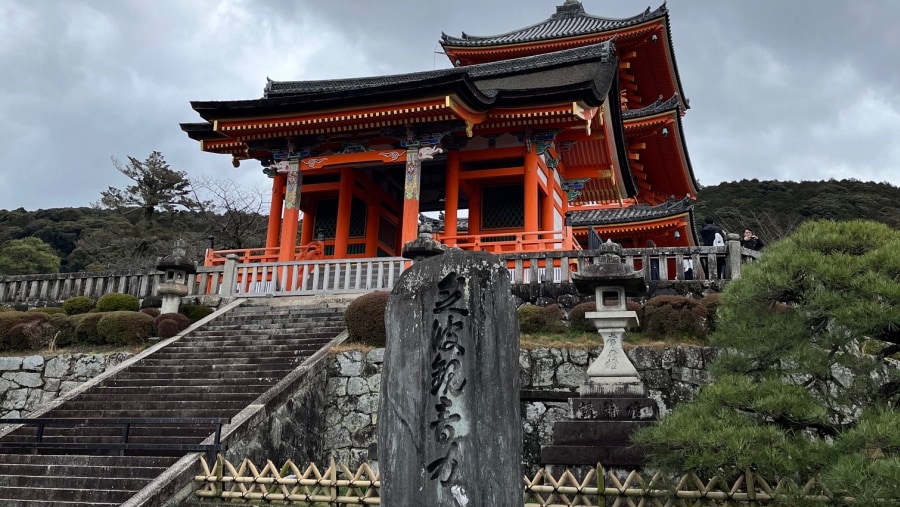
x=249 y=279
x=510 y=241
x=310 y=251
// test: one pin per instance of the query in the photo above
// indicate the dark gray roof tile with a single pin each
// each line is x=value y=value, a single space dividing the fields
x=570 y=20
x=636 y=213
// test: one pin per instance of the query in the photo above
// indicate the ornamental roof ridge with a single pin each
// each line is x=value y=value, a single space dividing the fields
x=659 y=106
x=569 y=20
x=638 y=212
x=604 y=50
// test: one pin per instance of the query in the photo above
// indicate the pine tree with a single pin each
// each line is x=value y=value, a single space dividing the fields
x=156 y=187
x=805 y=382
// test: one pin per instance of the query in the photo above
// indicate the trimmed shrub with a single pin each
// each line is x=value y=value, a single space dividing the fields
x=364 y=318
x=577 y=322
x=674 y=317
x=86 y=328
x=711 y=302
x=195 y=312
x=180 y=320
x=77 y=305
x=125 y=328
x=541 y=319
x=49 y=310
x=118 y=302
x=13 y=335
x=153 y=312
x=64 y=330
x=167 y=328
x=6 y=309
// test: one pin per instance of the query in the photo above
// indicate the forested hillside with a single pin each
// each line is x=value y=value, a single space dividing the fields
x=87 y=239
x=772 y=209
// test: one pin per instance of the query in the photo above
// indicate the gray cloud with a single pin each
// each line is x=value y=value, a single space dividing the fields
x=798 y=90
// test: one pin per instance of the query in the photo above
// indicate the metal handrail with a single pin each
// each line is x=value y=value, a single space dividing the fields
x=124 y=444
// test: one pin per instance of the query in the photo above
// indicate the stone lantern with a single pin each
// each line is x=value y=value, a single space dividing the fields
x=613 y=400
x=176 y=268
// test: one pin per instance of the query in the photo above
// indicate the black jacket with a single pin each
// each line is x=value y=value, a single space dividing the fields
x=708 y=233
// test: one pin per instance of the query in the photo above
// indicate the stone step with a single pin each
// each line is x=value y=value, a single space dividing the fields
x=78 y=461
x=151 y=403
x=112 y=394
x=189 y=383
x=14 y=496
x=176 y=372
x=190 y=392
x=231 y=357
x=76 y=413
x=193 y=432
x=265 y=331
x=261 y=364
x=20 y=480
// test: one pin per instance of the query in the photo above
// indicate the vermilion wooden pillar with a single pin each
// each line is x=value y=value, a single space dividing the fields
x=373 y=213
x=288 y=243
x=278 y=183
x=547 y=208
x=409 y=230
x=345 y=206
x=531 y=195
x=451 y=193
x=306 y=228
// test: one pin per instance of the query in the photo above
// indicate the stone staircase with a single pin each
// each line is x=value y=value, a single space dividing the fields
x=212 y=372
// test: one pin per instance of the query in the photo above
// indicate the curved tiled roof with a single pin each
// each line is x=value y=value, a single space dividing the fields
x=636 y=213
x=580 y=74
x=660 y=106
x=570 y=20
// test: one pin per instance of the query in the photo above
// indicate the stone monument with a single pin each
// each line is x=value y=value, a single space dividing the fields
x=177 y=268
x=613 y=400
x=449 y=432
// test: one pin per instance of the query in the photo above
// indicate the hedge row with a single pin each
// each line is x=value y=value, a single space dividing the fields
x=661 y=318
x=43 y=328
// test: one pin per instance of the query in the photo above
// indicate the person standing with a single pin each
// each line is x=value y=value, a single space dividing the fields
x=751 y=241
x=708 y=236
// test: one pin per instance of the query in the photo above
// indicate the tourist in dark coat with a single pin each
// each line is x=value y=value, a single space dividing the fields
x=708 y=232
x=708 y=237
x=750 y=241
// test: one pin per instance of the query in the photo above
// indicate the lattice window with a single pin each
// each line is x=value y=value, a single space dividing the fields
x=326 y=217
x=357 y=218
x=502 y=207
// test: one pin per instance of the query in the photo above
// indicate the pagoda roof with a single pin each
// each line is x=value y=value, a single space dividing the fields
x=630 y=214
x=585 y=74
x=570 y=20
x=657 y=115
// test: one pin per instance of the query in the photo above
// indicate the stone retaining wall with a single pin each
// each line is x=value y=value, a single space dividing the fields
x=672 y=374
x=28 y=382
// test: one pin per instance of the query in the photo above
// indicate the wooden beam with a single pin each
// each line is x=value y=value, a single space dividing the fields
x=637 y=146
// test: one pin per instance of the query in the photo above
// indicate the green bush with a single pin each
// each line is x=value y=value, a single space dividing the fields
x=125 y=328
x=577 y=322
x=364 y=318
x=195 y=312
x=167 y=328
x=711 y=303
x=675 y=317
x=180 y=320
x=64 y=330
x=541 y=319
x=6 y=309
x=86 y=328
x=118 y=302
x=13 y=333
x=49 y=310
x=77 y=305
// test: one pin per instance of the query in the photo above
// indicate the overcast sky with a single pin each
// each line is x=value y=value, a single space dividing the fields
x=787 y=90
